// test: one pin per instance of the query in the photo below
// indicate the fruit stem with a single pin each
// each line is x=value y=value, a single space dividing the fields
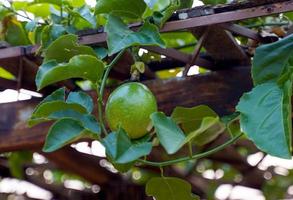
x=196 y=156
x=101 y=90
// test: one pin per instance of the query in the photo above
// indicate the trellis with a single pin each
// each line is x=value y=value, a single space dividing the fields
x=220 y=89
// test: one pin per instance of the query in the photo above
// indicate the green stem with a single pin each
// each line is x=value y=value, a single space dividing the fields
x=197 y=156
x=61 y=10
x=190 y=149
x=102 y=89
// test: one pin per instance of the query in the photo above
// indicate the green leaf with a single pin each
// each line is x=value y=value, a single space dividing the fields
x=121 y=150
x=77 y=106
x=66 y=47
x=19 y=5
x=6 y=74
x=16 y=161
x=46 y=109
x=169 y=188
x=197 y=113
x=210 y=128
x=39 y=9
x=87 y=121
x=266 y=118
x=150 y=3
x=170 y=135
x=76 y=3
x=81 y=98
x=123 y=8
x=271 y=60
x=201 y=124
x=101 y=52
x=51 y=33
x=82 y=18
x=214 y=2
x=14 y=33
x=61 y=133
x=80 y=66
x=121 y=37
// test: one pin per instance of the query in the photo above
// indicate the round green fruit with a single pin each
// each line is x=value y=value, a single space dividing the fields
x=130 y=106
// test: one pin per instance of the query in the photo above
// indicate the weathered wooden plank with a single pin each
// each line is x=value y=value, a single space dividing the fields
x=220 y=90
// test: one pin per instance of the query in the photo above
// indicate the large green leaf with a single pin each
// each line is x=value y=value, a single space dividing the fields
x=66 y=47
x=80 y=66
x=78 y=106
x=270 y=61
x=200 y=123
x=169 y=188
x=170 y=135
x=121 y=37
x=121 y=150
x=123 y=8
x=63 y=132
x=265 y=118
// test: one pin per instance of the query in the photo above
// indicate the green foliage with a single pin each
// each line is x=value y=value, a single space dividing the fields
x=163 y=188
x=66 y=47
x=6 y=74
x=263 y=120
x=82 y=18
x=170 y=135
x=16 y=161
x=122 y=150
x=80 y=66
x=201 y=124
x=78 y=105
x=14 y=32
x=121 y=37
x=63 y=132
x=276 y=61
x=214 y=2
x=266 y=111
x=123 y=8
x=50 y=33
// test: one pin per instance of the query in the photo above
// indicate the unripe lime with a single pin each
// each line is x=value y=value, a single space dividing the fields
x=130 y=106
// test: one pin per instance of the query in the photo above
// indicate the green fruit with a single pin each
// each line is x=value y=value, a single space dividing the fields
x=130 y=107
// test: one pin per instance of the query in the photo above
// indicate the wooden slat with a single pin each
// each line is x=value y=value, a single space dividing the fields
x=220 y=90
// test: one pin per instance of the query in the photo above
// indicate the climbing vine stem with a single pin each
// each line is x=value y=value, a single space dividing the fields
x=101 y=89
x=194 y=157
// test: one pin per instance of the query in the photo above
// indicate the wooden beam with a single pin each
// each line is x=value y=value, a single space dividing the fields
x=220 y=90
